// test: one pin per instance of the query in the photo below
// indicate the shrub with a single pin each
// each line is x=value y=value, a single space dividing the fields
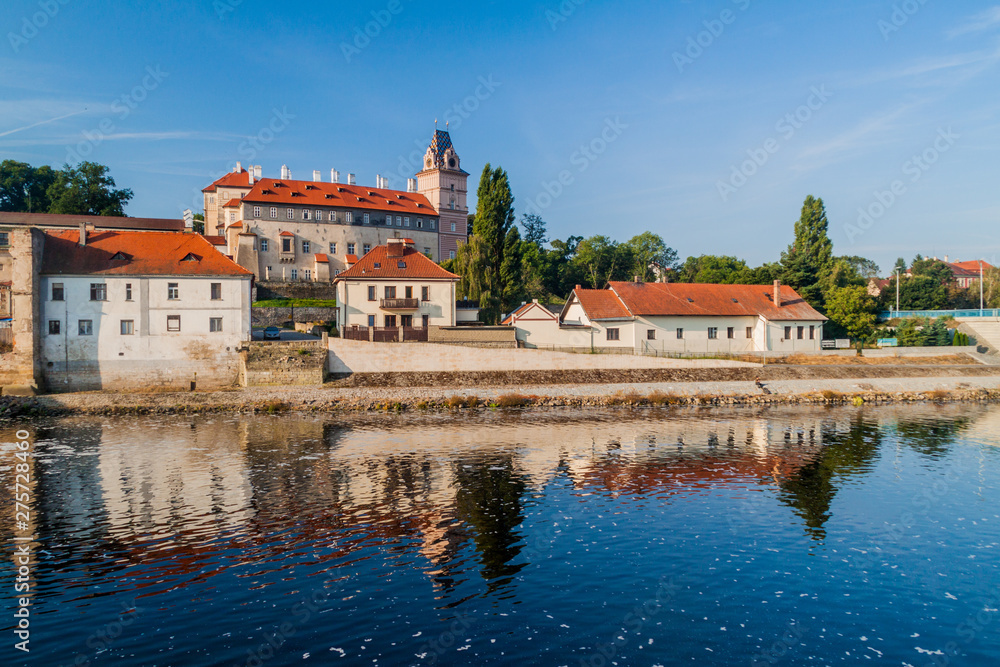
x=274 y=407
x=512 y=401
x=831 y=395
x=422 y=405
x=455 y=401
x=472 y=401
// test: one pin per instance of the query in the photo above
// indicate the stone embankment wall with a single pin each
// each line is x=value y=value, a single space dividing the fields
x=276 y=317
x=217 y=372
x=283 y=363
x=487 y=337
x=279 y=290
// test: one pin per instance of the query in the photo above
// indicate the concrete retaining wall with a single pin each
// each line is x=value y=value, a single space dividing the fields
x=268 y=317
x=487 y=337
x=135 y=375
x=283 y=363
x=350 y=356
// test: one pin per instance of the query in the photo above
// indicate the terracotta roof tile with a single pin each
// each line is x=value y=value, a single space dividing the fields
x=322 y=258
x=412 y=265
x=233 y=179
x=271 y=191
x=216 y=240
x=687 y=299
x=286 y=234
x=147 y=253
x=601 y=304
x=232 y=203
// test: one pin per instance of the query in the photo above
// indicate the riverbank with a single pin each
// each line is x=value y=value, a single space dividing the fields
x=814 y=390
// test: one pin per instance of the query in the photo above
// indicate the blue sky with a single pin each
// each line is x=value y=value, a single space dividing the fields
x=705 y=122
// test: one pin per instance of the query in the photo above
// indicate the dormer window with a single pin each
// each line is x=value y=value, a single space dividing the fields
x=190 y=257
x=400 y=264
x=119 y=257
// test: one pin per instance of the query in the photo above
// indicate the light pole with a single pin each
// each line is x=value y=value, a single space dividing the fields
x=981 y=288
x=897 y=292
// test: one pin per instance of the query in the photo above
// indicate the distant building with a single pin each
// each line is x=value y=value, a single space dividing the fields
x=124 y=309
x=967 y=273
x=61 y=221
x=393 y=286
x=282 y=229
x=675 y=318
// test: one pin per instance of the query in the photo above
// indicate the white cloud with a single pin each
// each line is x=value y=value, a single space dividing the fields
x=978 y=23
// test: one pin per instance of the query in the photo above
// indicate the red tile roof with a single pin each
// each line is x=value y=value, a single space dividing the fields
x=216 y=240
x=351 y=259
x=232 y=203
x=237 y=225
x=318 y=193
x=412 y=265
x=58 y=220
x=541 y=313
x=233 y=179
x=322 y=258
x=286 y=234
x=146 y=253
x=692 y=299
x=969 y=268
x=601 y=304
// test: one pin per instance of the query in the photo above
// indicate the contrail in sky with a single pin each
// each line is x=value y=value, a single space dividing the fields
x=41 y=122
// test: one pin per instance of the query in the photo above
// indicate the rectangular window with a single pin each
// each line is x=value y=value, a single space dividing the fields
x=713 y=333
x=409 y=292
x=800 y=333
x=173 y=322
x=350 y=248
x=425 y=293
x=349 y=217
x=286 y=245
x=4 y=240
x=306 y=214
x=431 y=223
x=54 y=327
x=427 y=251
x=98 y=292
x=372 y=293
x=295 y=274
x=333 y=216
x=812 y=332
x=425 y=320
x=256 y=211
x=274 y=213
x=390 y=291
x=216 y=291
x=390 y=320
x=127 y=327
x=333 y=248
x=371 y=320
x=232 y=216
x=612 y=334
x=308 y=275
x=367 y=248
x=788 y=333
x=85 y=328
x=263 y=245
x=305 y=247
x=128 y=291
x=451 y=254
x=173 y=292
x=420 y=223
x=749 y=332
x=215 y=324
x=58 y=293
x=406 y=321
x=680 y=334
x=406 y=222
x=368 y=218
x=650 y=334
x=319 y=215
x=290 y=213
x=453 y=226
x=399 y=221
x=731 y=332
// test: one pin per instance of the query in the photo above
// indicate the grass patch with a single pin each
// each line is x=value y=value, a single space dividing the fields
x=512 y=401
x=455 y=402
x=831 y=395
x=296 y=303
x=939 y=395
x=472 y=401
x=274 y=407
x=662 y=398
x=305 y=353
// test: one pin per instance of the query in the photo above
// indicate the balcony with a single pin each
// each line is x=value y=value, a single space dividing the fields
x=400 y=304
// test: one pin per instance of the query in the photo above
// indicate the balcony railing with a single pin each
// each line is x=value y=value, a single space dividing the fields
x=400 y=304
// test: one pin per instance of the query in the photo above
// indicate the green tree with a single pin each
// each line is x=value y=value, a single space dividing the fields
x=534 y=229
x=651 y=256
x=494 y=219
x=23 y=188
x=900 y=266
x=512 y=270
x=601 y=260
x=810 y=256
x=717 y=269
x=852 y=309
x=865 y=268
x=199 y=223
x=87 y=189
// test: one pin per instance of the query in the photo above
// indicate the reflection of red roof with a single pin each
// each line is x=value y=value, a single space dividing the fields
x=322 y=259
x=318 y=193
x=144 y=254
x=412 y=265
x=601 y=304
x=233 y=179
x=687 y=299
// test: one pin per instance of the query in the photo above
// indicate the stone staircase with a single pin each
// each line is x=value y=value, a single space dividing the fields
x=984 y=331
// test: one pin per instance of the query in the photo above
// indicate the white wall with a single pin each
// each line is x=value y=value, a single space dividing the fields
x=352 y=300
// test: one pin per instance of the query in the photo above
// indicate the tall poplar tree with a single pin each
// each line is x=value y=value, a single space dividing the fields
x=810 y=257
x=494 y=221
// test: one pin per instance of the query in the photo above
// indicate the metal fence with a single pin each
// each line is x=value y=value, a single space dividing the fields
x=934 y=314
x=356 y=333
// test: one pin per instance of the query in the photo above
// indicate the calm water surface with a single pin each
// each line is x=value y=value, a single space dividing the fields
x=673 y=537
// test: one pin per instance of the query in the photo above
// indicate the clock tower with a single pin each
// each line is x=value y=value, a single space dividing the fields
x=445 y=184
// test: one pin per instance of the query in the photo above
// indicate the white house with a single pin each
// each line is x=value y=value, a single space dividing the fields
x=675 y=318
x=394 y=287
x=130 y=310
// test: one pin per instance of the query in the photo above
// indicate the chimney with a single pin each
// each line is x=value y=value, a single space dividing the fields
x=83 y=233
x=316 y=176
x=188 y=218
x=256 y=172
x=250 y=175
x=286 y=174
x=777 y=293
x=411 y=185
x=239 y=167
x=635 y=279
x=378 y=181
x=396 y=247
x=946 y=259
x=334 y=176
x=351 y=180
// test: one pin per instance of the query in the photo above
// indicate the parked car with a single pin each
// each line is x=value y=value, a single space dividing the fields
x=272 y=333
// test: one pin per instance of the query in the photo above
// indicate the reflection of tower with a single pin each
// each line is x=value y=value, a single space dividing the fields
x=445 y=184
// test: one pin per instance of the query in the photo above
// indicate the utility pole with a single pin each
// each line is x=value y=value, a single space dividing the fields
x=897 y=292
x=981 y=305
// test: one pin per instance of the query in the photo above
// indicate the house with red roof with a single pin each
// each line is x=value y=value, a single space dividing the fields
x=394 y=288
x=131 y=310
x=670 y=318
